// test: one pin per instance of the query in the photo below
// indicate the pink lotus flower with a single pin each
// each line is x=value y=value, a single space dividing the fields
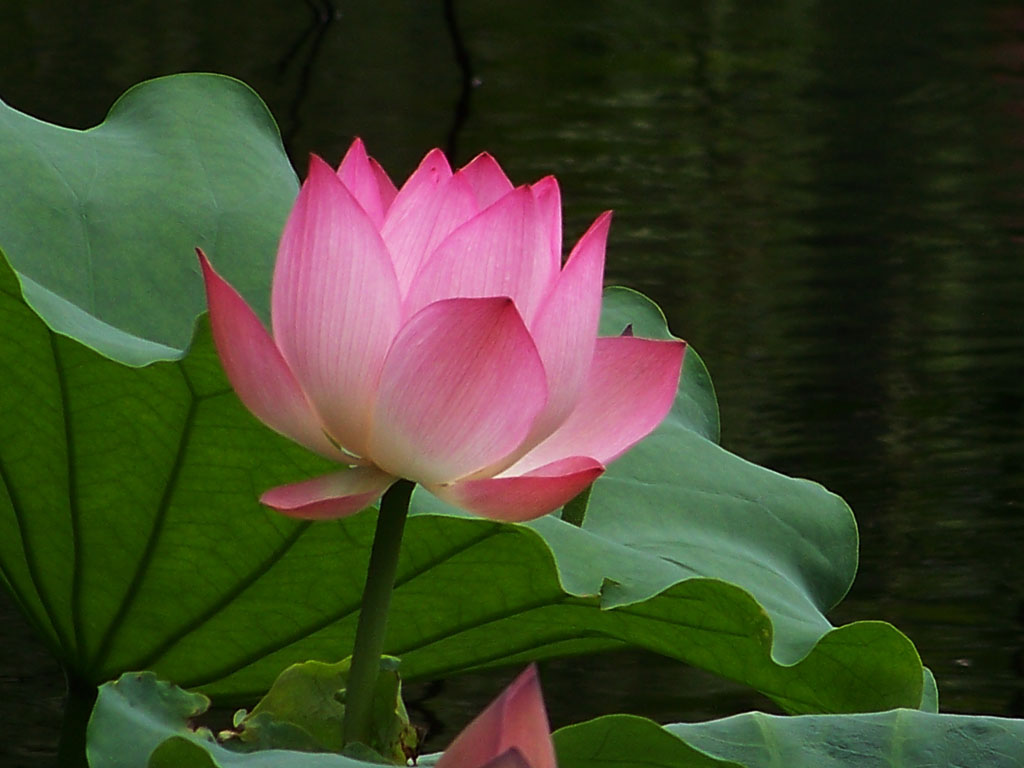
x=513 y=731
x=432 y=333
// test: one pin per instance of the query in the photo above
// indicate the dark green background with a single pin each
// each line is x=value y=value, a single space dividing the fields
x=826 y=198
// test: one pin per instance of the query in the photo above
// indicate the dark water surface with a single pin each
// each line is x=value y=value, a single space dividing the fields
x=827 y=199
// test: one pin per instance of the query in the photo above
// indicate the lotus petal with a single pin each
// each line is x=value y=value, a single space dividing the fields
x=367 y=181
x=256 y=369
x=511 y=758
x=460 y=388
x=485 y=177
x=335 y=304
x=549 y=204
x=502 y=251
x=427 y=208
x=338 y=494
x=631 y=386
x=524 y=497
x=566 y=326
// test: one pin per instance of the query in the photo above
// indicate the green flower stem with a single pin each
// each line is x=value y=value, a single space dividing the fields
x=373 y=616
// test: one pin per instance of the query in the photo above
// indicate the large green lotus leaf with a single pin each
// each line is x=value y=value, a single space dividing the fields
x=900 y=738
x=101 y=225
x=131 y=536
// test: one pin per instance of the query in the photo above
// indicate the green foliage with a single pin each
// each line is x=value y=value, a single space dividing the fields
x=304 y=699
x=899 y=738
x=140 y=721
x=101 y=225
x=130 y=533
x=135 y=714
x=304 y=710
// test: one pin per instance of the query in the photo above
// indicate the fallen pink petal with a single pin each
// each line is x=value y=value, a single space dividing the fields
x=432 y=333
